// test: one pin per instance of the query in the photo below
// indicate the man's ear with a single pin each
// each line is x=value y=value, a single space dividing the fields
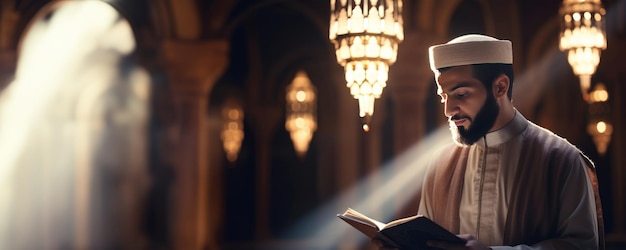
x=501 y=85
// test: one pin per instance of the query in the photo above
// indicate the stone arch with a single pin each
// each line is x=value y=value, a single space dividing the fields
x=437 y=14
x=239 y=18
x=268 y=74
x=285 y=69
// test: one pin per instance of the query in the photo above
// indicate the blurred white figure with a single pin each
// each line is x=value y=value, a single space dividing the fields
x=73 y=137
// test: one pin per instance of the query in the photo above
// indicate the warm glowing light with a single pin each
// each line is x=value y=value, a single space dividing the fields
x=366 y=34
x=233 y=114
x=599 y=126
x=232 y=132
x=583 y=36
x=599 y=94
x=601 y=132
x=300 y=96
x=301 y=121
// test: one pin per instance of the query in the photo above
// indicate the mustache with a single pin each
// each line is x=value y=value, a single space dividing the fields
x=459 y=117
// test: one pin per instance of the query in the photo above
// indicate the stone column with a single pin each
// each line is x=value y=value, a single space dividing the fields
x=618 y=172
x=192 y=69
x=266 y=119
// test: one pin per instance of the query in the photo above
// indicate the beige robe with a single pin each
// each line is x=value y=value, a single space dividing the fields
x=540 y=213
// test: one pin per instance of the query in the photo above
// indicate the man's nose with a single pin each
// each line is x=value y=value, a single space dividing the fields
x=450 y=108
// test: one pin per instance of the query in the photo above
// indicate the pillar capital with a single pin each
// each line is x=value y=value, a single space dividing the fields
x=193 y=67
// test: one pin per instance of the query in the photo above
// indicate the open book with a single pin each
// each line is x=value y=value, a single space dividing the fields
x=405 y=233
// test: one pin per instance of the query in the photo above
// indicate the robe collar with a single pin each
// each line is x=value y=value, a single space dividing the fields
x=515 y=127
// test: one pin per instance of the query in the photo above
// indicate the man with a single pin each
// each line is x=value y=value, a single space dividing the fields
x=506 y=183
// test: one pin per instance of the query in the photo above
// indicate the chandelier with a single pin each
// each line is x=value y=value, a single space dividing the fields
x=366 y=34
x=583 y=36
x=301 y=119
x=232 y=128
x=599 y=126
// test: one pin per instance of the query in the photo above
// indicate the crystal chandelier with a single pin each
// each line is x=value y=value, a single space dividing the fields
x=232 y=128
x=583 y=36
x=599 y=126
x=301 y=119
x=366 y=34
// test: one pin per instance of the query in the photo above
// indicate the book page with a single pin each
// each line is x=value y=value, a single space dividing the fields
x=366 y=226
x=400 y=221
x=408 y=232
x=361 y=217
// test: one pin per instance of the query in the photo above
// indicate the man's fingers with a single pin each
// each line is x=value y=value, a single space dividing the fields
x=466 y=237
x=377 y=242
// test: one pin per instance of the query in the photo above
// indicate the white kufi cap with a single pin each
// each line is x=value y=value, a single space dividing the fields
x=470 y=49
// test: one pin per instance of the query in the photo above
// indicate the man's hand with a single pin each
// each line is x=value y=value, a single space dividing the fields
x=471 y=243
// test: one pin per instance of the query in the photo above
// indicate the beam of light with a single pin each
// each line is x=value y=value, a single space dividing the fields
x=66 y=63
x=395 y=183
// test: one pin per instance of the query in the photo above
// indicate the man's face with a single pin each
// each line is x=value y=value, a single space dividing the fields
x=471 y=108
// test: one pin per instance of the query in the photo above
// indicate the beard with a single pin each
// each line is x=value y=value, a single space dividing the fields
x=479 y=125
